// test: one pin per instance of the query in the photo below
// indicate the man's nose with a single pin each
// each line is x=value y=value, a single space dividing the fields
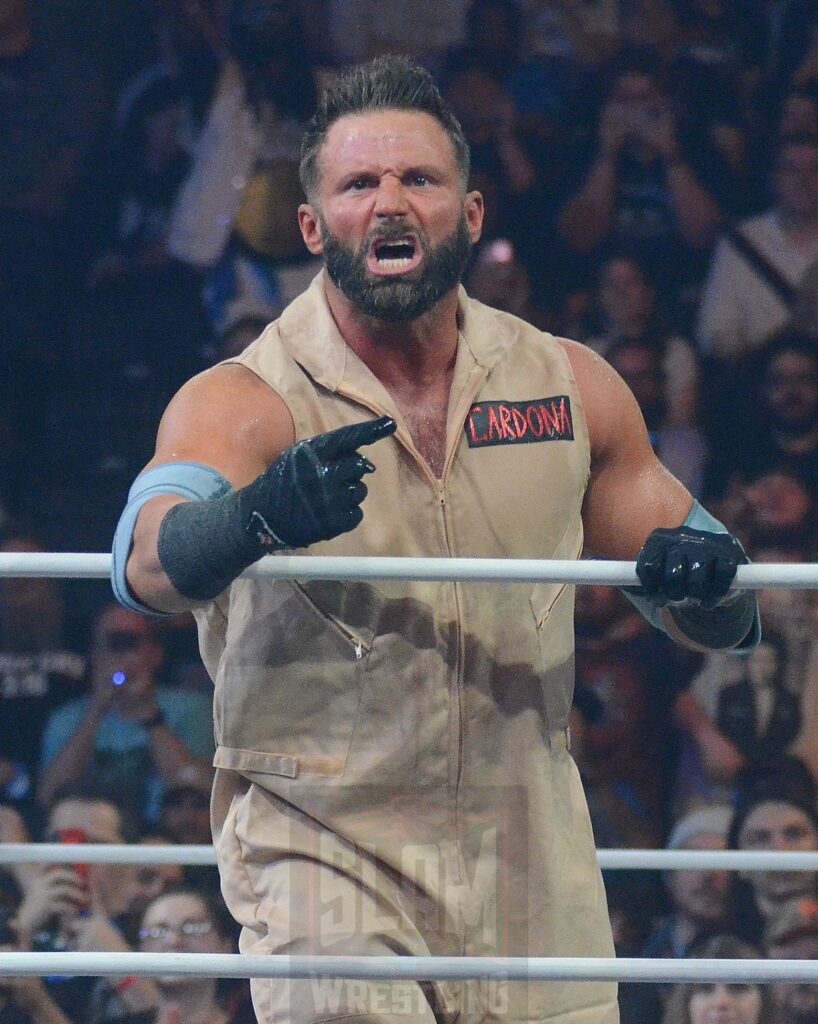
x=721 y=995
x=390 y=198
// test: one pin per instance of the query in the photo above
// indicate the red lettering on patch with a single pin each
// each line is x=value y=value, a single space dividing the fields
x=526 y=422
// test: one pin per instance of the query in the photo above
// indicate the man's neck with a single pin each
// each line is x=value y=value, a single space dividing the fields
x=421 y=351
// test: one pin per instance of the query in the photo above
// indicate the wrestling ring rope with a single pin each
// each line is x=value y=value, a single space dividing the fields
x=424 y=968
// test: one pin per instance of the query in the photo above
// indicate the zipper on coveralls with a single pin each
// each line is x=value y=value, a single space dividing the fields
x=458 y=682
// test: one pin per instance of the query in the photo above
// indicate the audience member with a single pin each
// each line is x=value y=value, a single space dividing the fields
x=184 y=818
x=358 y=30
x=697 y=897
x=646 y=187
x=148 y=164
x=23 y=1000
x=707 y=1002
x=681 y=448
x=778 y=427
x=56 y=88
x=180 y=920
x=619 y=744
x=147 y=881
x=38 y=671
x=773 y=507
x=709 y=59
x=234 y=217
x=755 y=721
x=757 y=714
x=498 y=278
x=81 y=907
x=757 y=266
x=792 y=934
x=775 y=810
x=627 y=301
x=631 y=903
x=514 y=167
x=129 y=733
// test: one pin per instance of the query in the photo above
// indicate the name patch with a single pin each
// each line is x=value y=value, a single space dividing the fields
x=538 y=419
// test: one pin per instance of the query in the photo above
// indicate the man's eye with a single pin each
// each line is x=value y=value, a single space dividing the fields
x=420 y=179
x=358 y=184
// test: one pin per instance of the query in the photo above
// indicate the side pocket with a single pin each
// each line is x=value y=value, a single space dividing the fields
x=290 y=684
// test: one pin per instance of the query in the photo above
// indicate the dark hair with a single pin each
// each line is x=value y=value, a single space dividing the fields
x=385 y=83
x=800 y=344
x=787 y=781
x=92 y=791
x=717 y=947
x=212 y=902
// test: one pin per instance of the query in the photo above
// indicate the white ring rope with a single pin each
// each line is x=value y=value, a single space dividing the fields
x=611 y=573
x=407 y=968
x=609 y=859
x=75 y=565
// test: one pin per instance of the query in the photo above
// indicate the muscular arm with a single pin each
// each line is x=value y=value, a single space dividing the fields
x=225 y=418
x=685 y=573
x=630 y=493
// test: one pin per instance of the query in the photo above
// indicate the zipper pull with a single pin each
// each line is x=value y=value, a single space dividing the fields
x=359 y=650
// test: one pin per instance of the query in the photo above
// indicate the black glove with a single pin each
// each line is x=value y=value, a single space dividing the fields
x=683 y=565
x=314 y=489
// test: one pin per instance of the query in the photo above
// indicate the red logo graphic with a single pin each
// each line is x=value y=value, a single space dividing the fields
x=539 y=419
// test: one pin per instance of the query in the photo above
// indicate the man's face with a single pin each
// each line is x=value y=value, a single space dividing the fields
x=791 y=391
x=101 y=823
x=776 y=825
x=186 y=816
x=390 y=218
x=180 y=922
x=798 y=1003
x=125 y=654
x=624 y=294
x=699 y=895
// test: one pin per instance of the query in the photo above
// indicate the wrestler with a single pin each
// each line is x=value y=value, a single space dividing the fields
x=393 y=763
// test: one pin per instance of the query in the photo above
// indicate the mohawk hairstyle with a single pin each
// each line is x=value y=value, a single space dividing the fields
x=385 y=83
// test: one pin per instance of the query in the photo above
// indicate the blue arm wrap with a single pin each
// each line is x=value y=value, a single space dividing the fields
x=189 y=480
x=697 y=519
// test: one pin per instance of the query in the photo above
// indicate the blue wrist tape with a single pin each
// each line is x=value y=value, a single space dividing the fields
x=190 y=480
x=697 y=519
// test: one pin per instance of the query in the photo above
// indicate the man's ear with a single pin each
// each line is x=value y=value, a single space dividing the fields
x=474 y=209
x=310 y=224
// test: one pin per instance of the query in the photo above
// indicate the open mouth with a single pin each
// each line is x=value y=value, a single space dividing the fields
x=394 y=255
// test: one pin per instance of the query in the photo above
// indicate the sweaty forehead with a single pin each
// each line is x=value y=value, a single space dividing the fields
x=384 y=137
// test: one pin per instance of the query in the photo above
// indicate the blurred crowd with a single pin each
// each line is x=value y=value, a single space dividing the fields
x=650 y=170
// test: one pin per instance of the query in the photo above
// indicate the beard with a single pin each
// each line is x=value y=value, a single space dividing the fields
x=398 y=299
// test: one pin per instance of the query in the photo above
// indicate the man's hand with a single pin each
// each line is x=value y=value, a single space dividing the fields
x=314 y=489
x=684 y=566
x=312 y=492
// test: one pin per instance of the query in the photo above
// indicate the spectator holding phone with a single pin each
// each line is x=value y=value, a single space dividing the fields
x=80 y=907
x=130 y=734
x=23 y=1000
x=644 y=186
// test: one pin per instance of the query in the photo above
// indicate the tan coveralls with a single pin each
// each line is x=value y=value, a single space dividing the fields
x=393 y=765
